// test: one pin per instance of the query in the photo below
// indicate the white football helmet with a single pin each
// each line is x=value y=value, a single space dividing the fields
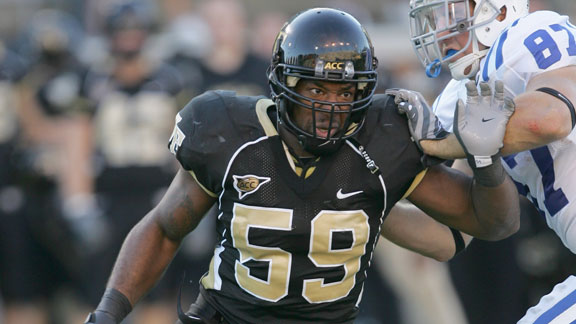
x=433 y=21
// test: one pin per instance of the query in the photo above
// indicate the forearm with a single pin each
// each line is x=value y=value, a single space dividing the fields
x=539 y=120
x=530 y=127
x=144 y=256
x=448 y=148
x=409 y=227
x=495 y=203
x=150 y=247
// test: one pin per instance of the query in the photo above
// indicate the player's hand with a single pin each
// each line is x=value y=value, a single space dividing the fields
x=480 y=124
x=87 y=222
x=422 y=122
x=98 y=317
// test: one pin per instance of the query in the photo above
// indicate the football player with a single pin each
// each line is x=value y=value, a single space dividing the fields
x=304 y=184
x=498 y=43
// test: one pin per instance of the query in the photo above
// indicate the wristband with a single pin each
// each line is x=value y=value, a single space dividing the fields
x=115 y=304
x=492 y=175
x=458 y=241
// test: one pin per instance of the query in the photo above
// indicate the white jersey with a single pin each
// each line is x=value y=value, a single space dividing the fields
x=558 y=307
x=539 y=42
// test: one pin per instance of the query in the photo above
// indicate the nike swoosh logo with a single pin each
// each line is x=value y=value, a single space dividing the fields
x=486 y=120
x=341 y=195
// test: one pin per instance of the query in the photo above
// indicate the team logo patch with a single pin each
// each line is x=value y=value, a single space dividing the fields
x=248 y=184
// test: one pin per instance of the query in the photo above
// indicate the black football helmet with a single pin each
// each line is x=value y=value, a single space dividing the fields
x=327 y=45
x=128 y=27
x=130 y=15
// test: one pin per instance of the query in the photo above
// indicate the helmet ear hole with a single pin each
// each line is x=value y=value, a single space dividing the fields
x=489 y=22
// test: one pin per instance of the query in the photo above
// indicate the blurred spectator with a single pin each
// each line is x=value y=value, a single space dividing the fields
x=229 y=62
x=48 y=196
x=38 y=259
x=264 y=30
x=133 y=99
x=422 y=285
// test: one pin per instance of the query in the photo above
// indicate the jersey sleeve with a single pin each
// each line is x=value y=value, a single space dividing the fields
x=199 y=137
x=539 y=42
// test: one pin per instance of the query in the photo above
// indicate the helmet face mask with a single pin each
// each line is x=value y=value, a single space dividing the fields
x=324 y=45
x=432 y=22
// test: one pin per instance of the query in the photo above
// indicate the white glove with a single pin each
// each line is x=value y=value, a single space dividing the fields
x=422 y=122
x=480 y=124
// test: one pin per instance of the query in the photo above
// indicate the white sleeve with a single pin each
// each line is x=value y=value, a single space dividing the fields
x=558 y=307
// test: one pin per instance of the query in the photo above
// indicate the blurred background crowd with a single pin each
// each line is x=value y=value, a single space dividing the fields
x=88 y=94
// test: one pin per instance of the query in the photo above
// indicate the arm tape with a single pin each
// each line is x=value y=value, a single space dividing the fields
x=458 y=241
x=562 y=97
x=114 y=303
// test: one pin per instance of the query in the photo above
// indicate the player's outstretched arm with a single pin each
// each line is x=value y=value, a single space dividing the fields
x=412 y=229
x=485 y=206
x=544 y=113
x=488 y=212
x=150 y=247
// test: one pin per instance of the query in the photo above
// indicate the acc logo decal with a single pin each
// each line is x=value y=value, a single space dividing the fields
x=334 y=66
x=248 y=184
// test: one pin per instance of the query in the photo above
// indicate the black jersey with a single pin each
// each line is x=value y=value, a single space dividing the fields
x=292 y=249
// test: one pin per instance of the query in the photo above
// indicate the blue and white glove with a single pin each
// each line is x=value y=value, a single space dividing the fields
x=422 y=122
x=480 y=124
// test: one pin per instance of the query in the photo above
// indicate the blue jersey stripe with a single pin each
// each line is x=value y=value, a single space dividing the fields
x=486 y=63
x=557 y=309
x=499 y=56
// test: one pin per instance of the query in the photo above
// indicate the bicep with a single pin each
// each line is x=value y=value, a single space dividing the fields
x=541 y=118
x=182 y=207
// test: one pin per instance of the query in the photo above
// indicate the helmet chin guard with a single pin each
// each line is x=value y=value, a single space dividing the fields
x=322 y=44
x=470 y=62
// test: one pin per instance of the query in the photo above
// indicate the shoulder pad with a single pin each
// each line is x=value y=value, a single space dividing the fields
x=209 y=129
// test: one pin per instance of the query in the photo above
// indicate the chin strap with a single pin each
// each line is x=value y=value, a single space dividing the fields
x=473 y=60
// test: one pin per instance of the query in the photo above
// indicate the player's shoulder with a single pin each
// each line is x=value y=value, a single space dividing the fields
x=384 y=123
x=215 y=121
x=382 y=104
x=534 y=21
x=387 y=141
x=218 y=107
x=383 y=112
x=540 y=17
